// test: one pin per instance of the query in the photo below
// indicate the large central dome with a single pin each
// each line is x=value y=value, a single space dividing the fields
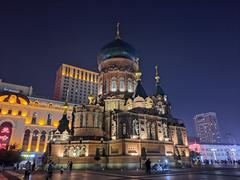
x=115 y=49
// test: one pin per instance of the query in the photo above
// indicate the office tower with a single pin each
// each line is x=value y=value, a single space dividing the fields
x=207 y=129
x=78 y=83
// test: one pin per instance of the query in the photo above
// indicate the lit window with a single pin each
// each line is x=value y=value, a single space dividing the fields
x=100 y=89
x=49 y=119
x=124 y=129
x=34 y=118
x=42 y=141
x=130 y=85
x=107 y=85
x=34 y=140
x=26 y=138
x=122 y=85
x=114 y=85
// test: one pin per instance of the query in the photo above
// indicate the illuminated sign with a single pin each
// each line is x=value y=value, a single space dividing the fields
x=5 y=134
x=28 y=155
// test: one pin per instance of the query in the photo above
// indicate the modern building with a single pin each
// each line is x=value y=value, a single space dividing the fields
x=207 y=128
x=27 y=122
x=217 y=152
x=78 y=83
x=4 y=86
x=123 y=124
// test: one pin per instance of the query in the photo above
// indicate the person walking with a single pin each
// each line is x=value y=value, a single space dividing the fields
x=148 y=166
x=49 y=171
x=61 y=170
x=27 y=170
x=33 y=166
x=70 y=166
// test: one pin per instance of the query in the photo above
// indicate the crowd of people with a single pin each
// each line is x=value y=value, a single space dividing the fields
x=198 y=162
x=29 y=168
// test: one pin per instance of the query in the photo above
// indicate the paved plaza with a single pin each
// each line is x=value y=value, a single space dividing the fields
x=183 y=174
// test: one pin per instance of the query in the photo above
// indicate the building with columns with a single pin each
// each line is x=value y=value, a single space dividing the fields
x=26 y=122
x=123 y=123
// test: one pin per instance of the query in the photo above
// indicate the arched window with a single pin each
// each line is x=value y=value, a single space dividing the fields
x=49 y=119
x=114 y=85
x=106 y=85
x=5 y=134
x=34 y=118
x=122 y=84
x=100 y=88
x=26 y=139
x=95 y=123
x=36 y=103
x=34 y=140
x=130 y=85
x=42 y=141
x=124 y=130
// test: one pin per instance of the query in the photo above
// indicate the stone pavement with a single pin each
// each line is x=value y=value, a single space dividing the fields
x=2 y=177
x=174 y=174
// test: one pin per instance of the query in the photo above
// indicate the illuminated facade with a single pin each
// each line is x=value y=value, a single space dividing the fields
x=217 y=152
x=207 y=128
x=122 y=122
x=26 y=122
x=78 y=83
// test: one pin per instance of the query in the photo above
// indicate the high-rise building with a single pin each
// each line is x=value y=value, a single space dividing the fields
x=75 y=82
x=25 y=90
x=207 y=129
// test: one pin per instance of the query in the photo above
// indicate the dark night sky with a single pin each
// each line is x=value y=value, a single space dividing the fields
x=195 y=43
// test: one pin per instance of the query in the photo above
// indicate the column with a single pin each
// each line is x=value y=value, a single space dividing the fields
x=30 y=142
x=84 y=122
x=12 y=138
x=21 y=142
x=38 y=142
x=46 y=142
x=96 y=120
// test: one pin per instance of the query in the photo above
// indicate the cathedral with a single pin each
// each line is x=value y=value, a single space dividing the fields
x=123 y=125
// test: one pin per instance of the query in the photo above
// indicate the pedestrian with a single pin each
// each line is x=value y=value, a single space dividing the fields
x=33 y=166
x=61 y=170
x=148 y=166
x=70 y=166
x=49 y=170
x=27 y=170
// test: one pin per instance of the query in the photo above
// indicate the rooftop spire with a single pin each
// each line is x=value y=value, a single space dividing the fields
x=157 y=78
x=159 y=90
x=118 y=31
x=138 y=73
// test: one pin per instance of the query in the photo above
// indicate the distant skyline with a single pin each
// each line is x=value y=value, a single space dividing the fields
x=195 y=44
